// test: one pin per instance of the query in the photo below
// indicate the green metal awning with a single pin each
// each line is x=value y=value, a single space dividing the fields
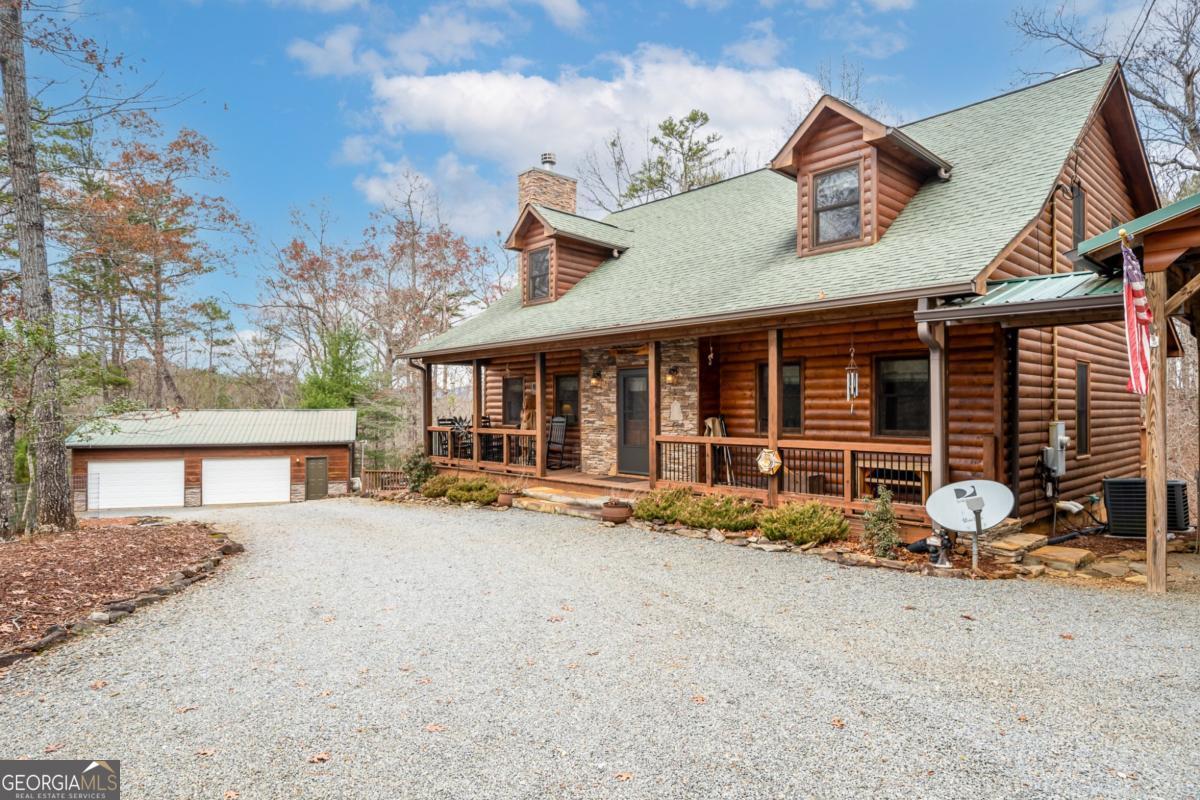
x=1066 y=298
x=1098 y=246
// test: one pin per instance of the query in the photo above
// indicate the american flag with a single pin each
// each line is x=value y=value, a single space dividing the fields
x=1137 y=323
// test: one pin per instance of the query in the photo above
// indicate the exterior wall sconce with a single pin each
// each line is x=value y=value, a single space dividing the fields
x=672 y=375
x=595 y=379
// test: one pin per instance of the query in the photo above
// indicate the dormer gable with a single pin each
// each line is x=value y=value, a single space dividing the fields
x=558 y=249
x=854 y=175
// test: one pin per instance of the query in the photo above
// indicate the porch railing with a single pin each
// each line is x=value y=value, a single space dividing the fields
x=833 y=471
x=383 y=480
x=505 y=449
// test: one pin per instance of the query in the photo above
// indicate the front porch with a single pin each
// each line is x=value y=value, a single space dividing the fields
x=697 y=412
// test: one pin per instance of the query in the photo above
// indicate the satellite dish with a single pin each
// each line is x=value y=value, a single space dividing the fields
x=953 y=505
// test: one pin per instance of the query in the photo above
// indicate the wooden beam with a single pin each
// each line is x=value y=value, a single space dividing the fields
x=933 y=335
x=539 y=384
x=1156 y=439
x=774 y=405
x=1183 y=295
x=476 y=407
x=652 y=359
x=427 y=407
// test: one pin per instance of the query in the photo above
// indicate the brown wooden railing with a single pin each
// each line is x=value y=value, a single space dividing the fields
x=841 y=472
x=383 y=480
x=504 y=449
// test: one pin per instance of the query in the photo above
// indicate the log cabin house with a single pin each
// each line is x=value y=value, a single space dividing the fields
x=880 y=305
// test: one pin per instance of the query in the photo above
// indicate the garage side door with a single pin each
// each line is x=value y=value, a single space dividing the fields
x=135 y=484
x=246 y=480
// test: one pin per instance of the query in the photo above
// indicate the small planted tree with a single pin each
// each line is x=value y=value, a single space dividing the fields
x=881 y=529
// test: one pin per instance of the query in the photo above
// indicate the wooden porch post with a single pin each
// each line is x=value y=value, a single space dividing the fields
x=652 y=359
x=774 y=405
x=476 y=408
x=933 y=335
x=539 y=384
x=427 y=407
x=1156 y=439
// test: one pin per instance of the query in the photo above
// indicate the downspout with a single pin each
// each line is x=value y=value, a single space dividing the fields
x=933 y=336
x=425 y=421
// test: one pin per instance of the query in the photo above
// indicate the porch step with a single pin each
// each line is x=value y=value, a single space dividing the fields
x=552 y=507
x=566 y=496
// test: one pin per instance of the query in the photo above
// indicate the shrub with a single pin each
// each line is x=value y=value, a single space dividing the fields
x=724 y=513
x=662 y=504
x=417 y=469
x=804 y=523
x=881 y=529
x=438 y=485
x=476 y=490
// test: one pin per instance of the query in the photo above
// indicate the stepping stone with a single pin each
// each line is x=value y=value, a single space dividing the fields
x=1065 y=559
x=1021 y=541
x=1109 y=568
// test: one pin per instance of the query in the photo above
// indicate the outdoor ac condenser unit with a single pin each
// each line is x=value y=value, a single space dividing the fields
x=1125 y=501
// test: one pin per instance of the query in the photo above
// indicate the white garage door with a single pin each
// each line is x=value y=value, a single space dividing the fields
x=246 y=480
x=135 y=484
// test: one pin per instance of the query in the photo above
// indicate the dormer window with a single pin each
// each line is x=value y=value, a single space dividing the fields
x=837 y=207
x=537 y=274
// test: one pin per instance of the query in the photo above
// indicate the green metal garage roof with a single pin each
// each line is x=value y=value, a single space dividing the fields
x=220 y=428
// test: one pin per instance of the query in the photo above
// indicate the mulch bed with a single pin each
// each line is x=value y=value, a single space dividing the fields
x=58 y=578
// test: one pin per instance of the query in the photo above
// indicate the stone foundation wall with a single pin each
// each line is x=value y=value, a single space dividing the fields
x=78 y=500
x=338 y=488
x=679 y=404
x=192 y=496
x=297 y=493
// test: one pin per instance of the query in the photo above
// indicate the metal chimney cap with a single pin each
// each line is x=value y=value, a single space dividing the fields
x=548 y=160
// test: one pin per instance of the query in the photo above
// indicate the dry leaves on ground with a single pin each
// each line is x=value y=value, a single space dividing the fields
x=699 y=699
x=1066 y=636
x=232 y=794
x=623 y=776
x=53 y=748
x=205 y=753
x=434 y=727
x=185 y=709
x=319 y=758
x=56 y=578
x=838 y=723
x=97 y=684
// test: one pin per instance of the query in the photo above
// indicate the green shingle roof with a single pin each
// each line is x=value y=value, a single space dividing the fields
x=220 y=427
x=586 y=228
x=1136 y=226
x=730 y=248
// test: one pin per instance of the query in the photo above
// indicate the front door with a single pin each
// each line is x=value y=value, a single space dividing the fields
x=316 y=478
x=633 y=422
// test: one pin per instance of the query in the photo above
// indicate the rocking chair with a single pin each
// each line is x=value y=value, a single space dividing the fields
x=556 y=443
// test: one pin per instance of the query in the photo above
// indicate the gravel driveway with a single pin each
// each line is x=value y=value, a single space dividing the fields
x=460 y=653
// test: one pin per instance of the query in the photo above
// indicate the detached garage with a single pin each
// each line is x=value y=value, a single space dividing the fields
x=213 y=457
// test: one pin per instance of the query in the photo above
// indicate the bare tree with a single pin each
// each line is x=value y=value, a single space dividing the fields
x=52 y=483
x=1161 y=58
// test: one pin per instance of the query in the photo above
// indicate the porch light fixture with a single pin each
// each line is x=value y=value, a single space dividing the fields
x=851 y=380
x=672 y=375
x=595 y=379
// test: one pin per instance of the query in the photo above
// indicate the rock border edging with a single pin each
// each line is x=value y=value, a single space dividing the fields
x=116 y=610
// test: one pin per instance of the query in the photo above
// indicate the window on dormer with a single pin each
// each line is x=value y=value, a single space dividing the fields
x=537 y=274
x=837 y=209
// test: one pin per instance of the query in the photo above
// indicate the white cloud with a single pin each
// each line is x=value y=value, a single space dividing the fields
x=891 y=5
x=760 y=47
x=357 y=149
x=509 y=118
x=564 y=13
x=711 y=5
x=440 y=36
x=334 y=55
x=470 y=204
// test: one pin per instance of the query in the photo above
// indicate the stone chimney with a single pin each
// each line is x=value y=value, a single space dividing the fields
x=545 y=187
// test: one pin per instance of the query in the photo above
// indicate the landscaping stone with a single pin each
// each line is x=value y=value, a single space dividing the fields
x=1136 y=579
x=892 y=563
x=716 y=535
x=121 y=605
x=1108 y=568
x=54 y=634
x=768 y=547
x=1132 y=555
x=1030 y=570
x=736 y=535
x=13 y=656
x=228 y=548
x=1063 y=559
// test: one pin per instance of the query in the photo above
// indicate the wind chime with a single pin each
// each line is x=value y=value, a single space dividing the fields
x=851 y=379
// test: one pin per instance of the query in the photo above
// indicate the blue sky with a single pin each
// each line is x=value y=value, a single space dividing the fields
x=330 y=101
